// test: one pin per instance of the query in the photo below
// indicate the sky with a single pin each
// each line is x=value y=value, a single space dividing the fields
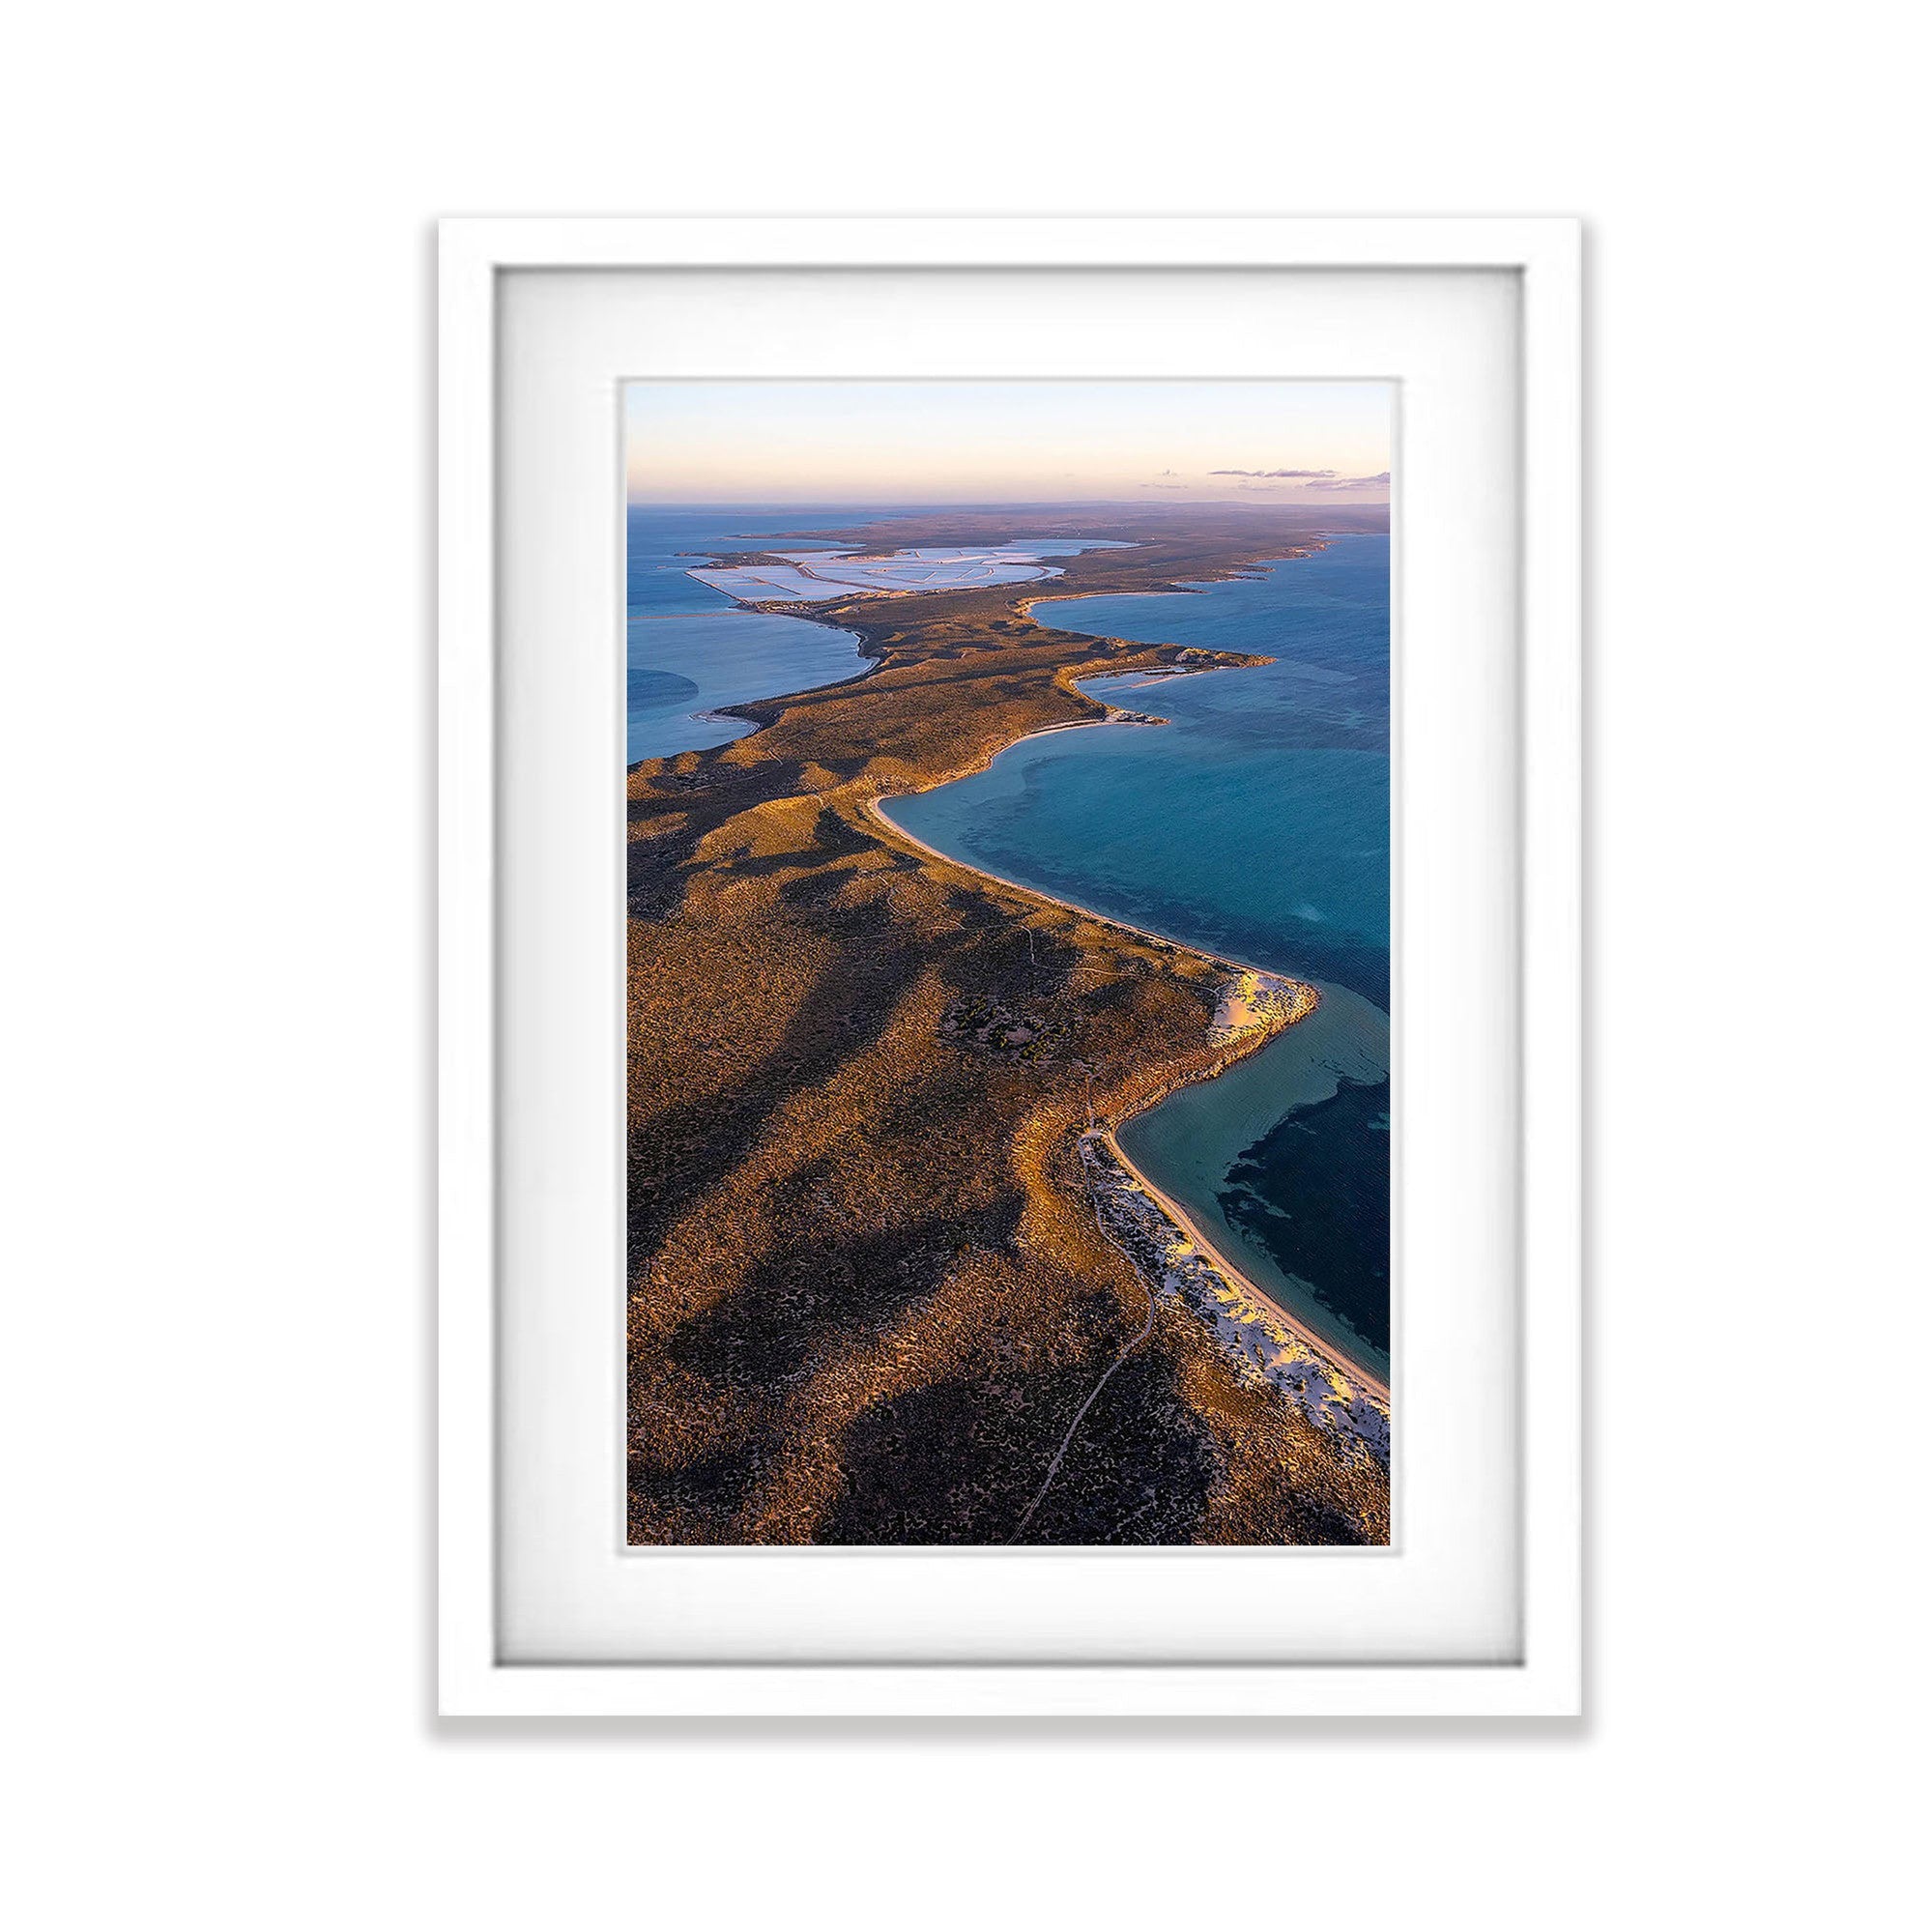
x=1000 y=441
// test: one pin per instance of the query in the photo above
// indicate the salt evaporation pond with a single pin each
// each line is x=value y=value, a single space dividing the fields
x=694 y=649
x=818 y=576
x=691 y=649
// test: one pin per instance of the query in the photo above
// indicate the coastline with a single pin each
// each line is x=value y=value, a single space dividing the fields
x=1192 y=587
x=875 y=809
x=861 y=1307
x=1350 y=1369
x=729 y=710
x=1318 y=1345
x=822 y=612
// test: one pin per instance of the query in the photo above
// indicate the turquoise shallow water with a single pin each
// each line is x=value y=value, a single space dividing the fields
x=1254 y=823
x=1283 y=1161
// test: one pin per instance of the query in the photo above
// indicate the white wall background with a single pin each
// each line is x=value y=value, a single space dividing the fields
x=212 y=782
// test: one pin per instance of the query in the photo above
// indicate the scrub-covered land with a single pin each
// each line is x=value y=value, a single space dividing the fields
x=871 y=1289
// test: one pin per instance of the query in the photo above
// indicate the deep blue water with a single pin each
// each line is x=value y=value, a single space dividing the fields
x=1314 y=1192
x=661 y=544
x=1254 y=823
x=690 y=648
x=680 y=669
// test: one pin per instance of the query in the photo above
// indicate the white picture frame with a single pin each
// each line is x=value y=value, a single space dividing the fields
x=1545 y=1677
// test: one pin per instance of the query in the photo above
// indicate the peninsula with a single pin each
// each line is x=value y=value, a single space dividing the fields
x=891 y=1279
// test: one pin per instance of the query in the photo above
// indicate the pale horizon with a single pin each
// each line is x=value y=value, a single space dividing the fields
x=952 y=444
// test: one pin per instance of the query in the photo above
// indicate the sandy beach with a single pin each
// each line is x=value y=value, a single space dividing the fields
x=867 y=1299
x=1353 y=1371
x=1239 y=1016
x=875 y=810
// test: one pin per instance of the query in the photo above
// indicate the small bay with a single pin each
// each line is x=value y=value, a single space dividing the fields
x=690 y=648
x=679 y=670
x=1254 y=824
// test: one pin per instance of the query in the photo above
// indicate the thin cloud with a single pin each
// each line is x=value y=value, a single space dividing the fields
x=1352 y=482
x=1271 y=473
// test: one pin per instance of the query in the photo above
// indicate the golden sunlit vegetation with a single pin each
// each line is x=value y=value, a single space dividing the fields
x=868 y=1293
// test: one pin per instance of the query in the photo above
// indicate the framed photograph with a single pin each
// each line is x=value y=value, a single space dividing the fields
x=1010 y=822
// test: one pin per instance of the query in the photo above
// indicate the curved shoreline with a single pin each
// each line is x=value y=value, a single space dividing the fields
x=818 y=611
x=1316 y=1344
x=729 y=712
x=1374 y=1385
x=1180 y=586
x=874 y=809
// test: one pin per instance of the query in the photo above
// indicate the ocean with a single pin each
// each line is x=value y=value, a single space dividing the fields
x=1254 y=823
x=690 y=648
